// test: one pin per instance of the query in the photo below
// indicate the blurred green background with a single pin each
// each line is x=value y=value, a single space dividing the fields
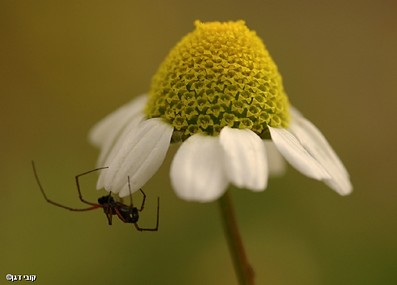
x=66 y=64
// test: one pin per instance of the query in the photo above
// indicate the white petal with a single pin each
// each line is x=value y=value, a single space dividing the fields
x=296 y=155
x=115 y=121
x=316 y=144
x=197 y=172
x=276 y=162
x=245 y=158
x=139 y=157
x=111 y=148
x=106 y=132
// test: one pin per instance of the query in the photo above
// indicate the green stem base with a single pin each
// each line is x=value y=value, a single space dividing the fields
x=242 y=267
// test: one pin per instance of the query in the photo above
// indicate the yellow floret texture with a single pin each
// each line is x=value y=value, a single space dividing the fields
x=218 y=75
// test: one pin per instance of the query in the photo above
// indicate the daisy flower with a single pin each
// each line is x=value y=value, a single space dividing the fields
x=220 y=96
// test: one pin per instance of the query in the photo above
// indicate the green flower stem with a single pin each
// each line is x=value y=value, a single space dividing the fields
x=242 y=267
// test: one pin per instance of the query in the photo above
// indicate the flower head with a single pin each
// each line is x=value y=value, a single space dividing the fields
x=220 y=94
x=218 y=75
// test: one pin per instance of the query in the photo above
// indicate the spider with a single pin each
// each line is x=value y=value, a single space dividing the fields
x=127 y=214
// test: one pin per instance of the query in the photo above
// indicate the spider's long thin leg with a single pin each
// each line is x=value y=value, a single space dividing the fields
x=129 y=189
x=143 y=200
x=78 y=184
x=155 y=229
x=93 y=206
x=109 y=215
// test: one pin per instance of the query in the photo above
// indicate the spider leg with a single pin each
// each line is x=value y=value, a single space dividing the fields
x=109 y=215
x=93 y=206
x=129 y=189
x=155 y=229
x=143 y=201
x=78 y=185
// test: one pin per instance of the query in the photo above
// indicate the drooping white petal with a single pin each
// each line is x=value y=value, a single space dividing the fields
x=115 y=121
x=296 y=154
x=139 y=156
x=276 y=162
x=197 y=171
x=316 y=144
x=106 y=132
x=109 y=151
x=112 y=145
x=245 y=158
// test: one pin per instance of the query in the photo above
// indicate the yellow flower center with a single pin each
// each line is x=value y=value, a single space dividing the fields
x=218 y=75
